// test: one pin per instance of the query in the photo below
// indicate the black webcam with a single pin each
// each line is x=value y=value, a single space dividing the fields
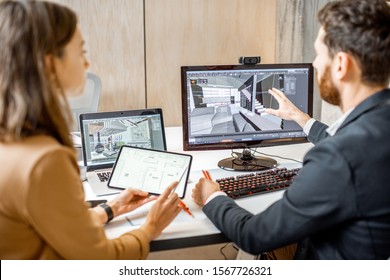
x=249 y=60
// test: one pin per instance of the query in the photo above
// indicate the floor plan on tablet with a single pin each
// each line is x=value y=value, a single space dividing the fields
x=150 y=170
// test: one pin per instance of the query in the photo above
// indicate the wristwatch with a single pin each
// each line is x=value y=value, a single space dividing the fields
x=108 y=210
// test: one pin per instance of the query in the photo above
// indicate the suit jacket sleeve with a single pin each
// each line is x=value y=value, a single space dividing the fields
x=317 y=132
x=313 y=202
x=56 y=209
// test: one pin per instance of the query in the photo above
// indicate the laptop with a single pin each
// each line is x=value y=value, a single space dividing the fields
x=104 y=133
x=150 y=170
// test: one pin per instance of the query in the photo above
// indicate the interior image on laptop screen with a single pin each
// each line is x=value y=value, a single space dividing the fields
x=105 y=136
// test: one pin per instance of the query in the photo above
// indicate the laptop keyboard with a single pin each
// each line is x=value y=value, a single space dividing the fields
x=104 y=176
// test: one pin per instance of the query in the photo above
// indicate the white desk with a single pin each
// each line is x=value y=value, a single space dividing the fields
x=185 y=231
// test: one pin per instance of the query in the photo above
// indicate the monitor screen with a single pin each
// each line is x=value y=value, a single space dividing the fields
x=224 y=105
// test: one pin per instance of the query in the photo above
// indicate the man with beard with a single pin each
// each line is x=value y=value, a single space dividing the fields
x=339 y=204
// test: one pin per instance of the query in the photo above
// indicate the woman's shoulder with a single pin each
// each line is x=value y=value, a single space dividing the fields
x=34 y=155
x=43 y=143
x=33 y=148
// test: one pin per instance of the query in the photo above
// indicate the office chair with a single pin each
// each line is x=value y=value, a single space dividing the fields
x=88 y=102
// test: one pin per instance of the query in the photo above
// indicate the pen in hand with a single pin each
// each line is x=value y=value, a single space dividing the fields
x=185 y=208
x=182 y=205
x=206 y=174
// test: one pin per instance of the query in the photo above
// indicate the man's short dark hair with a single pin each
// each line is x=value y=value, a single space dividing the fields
x=362 y=29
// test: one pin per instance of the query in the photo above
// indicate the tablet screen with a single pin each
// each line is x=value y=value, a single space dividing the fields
x=150 y=170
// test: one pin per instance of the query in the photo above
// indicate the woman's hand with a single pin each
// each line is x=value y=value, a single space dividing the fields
x=287 y=110
x=162 y=213
x=128 y=200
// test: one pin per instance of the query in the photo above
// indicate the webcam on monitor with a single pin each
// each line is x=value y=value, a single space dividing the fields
x=249 y=60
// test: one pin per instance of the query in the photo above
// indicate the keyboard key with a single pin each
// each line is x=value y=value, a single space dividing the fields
x=104 y=176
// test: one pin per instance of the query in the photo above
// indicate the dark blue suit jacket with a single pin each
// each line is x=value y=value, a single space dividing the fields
x=339 y=204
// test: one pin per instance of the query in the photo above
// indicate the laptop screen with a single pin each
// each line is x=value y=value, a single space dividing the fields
x=104 y=133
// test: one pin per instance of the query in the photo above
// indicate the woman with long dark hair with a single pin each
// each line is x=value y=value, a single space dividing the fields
x=43 y=214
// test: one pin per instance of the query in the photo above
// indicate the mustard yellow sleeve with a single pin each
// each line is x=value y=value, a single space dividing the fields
x=57 y=211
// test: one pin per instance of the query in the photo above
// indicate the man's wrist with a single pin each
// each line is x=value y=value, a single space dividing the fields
x=214 y=195
x=303 y=119
x=308 y=126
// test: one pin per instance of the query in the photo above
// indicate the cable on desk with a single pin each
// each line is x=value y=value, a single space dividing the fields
x=269 y=155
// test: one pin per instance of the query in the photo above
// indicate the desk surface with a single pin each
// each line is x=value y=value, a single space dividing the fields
x=186 y=231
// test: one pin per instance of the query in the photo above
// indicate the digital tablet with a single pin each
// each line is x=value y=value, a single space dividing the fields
x=150 y=170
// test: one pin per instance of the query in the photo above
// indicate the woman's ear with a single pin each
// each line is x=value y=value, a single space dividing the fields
x=49 y=67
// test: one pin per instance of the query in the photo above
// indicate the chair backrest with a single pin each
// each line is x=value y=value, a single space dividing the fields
x=88 y=102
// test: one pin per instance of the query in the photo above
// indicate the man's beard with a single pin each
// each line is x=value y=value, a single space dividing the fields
x=328 y=91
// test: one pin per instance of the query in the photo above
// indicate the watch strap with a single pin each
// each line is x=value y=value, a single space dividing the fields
x=108 y=210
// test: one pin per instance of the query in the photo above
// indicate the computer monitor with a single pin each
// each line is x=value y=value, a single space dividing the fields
x=224 y=106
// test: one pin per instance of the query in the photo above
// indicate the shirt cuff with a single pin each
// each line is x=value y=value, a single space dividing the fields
x=214 y=195
x=308 y=126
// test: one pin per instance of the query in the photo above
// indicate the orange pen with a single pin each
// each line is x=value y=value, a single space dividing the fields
x=181 y=203
x=185 y=208
x=206 y=174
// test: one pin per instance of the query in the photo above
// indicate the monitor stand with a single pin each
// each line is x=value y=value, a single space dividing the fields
x=247 y=162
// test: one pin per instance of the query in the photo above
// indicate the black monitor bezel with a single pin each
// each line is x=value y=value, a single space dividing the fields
x=244 y=144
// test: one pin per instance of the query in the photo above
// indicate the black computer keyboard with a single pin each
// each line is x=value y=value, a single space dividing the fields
x=257 y=183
